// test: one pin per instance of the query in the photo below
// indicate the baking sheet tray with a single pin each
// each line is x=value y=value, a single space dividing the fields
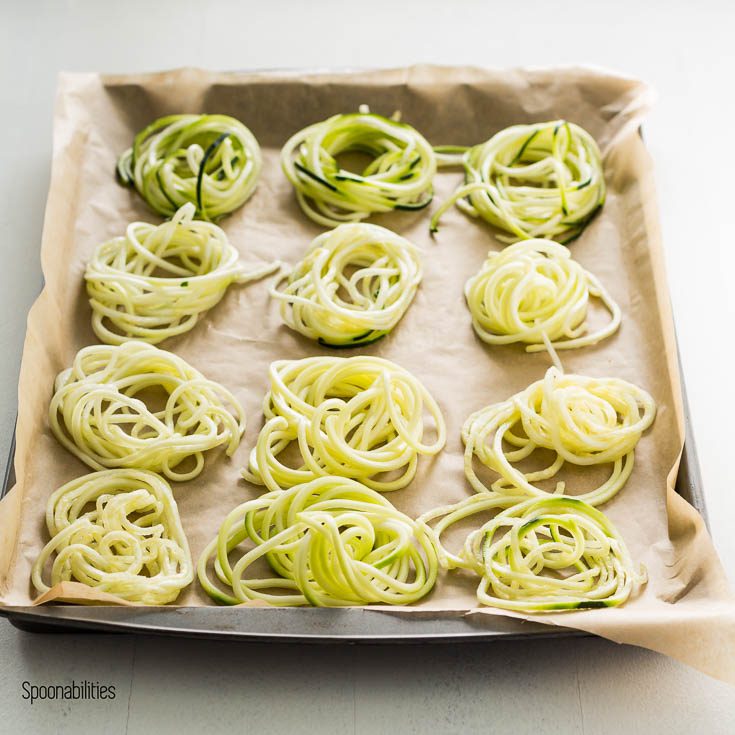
x=95 y=119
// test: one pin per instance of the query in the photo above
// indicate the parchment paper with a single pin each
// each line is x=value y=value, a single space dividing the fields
x=685 y=610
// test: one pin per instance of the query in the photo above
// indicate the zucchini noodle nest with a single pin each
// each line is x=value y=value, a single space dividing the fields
x=100 y=410
x=333 y=542
x=117 y=531
x=359 y=417
x=353 y=286
x=155 y=282
x=540 y=555
x=539 y=180
x=212 y=161
x=535 y=288
x=399 y=176
x=586 y=421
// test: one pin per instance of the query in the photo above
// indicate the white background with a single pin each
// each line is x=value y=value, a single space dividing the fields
x=686 y=52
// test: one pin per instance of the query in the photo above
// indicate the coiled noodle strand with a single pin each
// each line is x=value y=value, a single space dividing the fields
x=212 y=161
x=100 y=411
x=539 y=555
x=399 y=176
x=119 y=532
x=359 y=417
x=538 y=180
x=352 y=287
x=156 y=281
x=333 y=542
x=532 y=292
x=585 y=421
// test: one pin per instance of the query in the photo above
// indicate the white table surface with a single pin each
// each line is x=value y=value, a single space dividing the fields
x=686 y=52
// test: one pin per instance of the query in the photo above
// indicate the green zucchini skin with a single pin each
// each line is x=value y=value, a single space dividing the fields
x=361 y=341
x=203 y=167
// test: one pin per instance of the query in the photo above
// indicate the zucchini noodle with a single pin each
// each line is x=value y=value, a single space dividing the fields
x=332 y=541
x=539 y=180
x=358 y=417
x=118 y=531
x=212 y=161
x=539 y=555
x=155 y=282
x=585 y=421
x=535 y=288
x=399 y=176
x=98 y=415
x=353 y=286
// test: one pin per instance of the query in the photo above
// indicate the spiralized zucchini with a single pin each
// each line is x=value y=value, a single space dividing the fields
x=539 y=555
x=359 y=417
x=118 y=531
x=399 y=176
x=539 y=180
x=535 y=288
x=353 y=286
x=586 y=421
x=212 y=161
x=155 y=282
x=99 y=411
x=334 y=543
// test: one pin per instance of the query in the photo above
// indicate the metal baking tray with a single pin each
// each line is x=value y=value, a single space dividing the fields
x=311 y=625
x=315 y=625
